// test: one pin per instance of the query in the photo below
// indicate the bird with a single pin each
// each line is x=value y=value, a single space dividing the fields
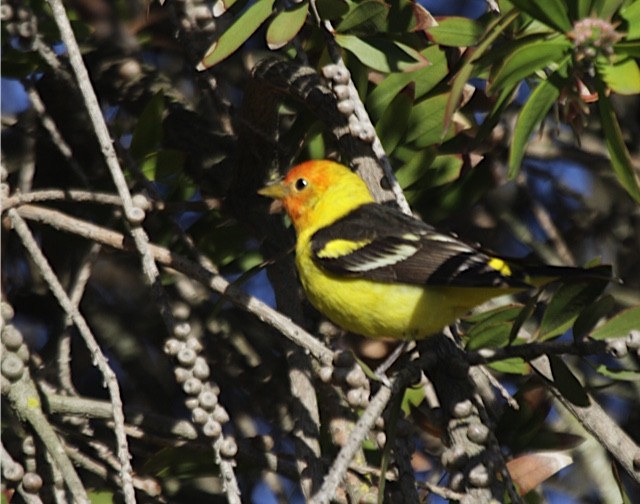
x=377 y=272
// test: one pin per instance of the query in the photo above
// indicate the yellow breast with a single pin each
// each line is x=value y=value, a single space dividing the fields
x=383 y=310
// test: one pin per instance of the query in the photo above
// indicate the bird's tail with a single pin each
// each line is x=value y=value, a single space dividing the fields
x=538 y=275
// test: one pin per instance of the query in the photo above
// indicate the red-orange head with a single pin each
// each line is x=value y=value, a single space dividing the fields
x=316 y=193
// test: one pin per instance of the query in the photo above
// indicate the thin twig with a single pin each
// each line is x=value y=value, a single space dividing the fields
x=77 y=291
x=56 y=137
x=98 y=357
x=531 y=351
x=595 y=420
x=85 y=196
x=209 y=278
x=25 y=400
x=135 y=216
x=363 y=426
x=94 y=408
x=341 y=464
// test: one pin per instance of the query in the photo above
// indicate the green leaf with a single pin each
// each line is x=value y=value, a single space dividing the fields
x=18 y=64
x=393 y=123
x=531 y=115
x=605 y=9
x=100 y=497
x=444 y=169
x=631 y=14
x=527 y=59
x=588 y=319
x=579 y=9
x=524 y=315
x=415 y=165
x=628 y=48
x=332 y=9
x=381 y=54
x=222 y=6
x=565 y=306
x=368 y=17
x=424 y=79
x=553 y=13
x=456 y=32
x=169 y=163
x=618 y=374
x=623 y=76
x=514 y=365
x=426 y=122
x=620 y=158
x=567 y=383
x=468 y=66
x=237 y=34
x=494 y=335
x=493 y=328
x=490 y=317
x=286 y=25
x=412 y=398
x=147 y=135
x=621 y=325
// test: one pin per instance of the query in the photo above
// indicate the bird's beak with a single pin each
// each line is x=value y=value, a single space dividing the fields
x=277 y=190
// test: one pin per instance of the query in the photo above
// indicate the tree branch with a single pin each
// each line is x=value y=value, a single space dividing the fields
x=211 y=279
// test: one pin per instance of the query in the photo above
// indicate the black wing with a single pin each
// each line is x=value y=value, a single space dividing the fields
x=385 y=245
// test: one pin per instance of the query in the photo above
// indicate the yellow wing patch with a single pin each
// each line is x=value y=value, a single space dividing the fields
x=500 y=266
x=337 y=248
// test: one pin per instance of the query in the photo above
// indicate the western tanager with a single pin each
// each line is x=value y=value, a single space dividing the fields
x=380 y=273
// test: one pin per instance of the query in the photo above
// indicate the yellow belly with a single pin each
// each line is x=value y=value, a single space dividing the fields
x=398 y=311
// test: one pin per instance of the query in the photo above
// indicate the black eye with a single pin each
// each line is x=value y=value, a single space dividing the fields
x=301 y=184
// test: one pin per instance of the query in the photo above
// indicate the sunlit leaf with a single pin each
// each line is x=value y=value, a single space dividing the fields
x=381 y=54
x=567 y=303
x=628 y=48
x=618 y=374
x=587 y=320
x=467 y=68
x=622 y=76
x=237 y=34
x=631 y=14
x=621 y=325
x=620 y=157
x=513 y=365
x=523 y=316
x=604 y=9
x=491 y=336
x=426 y=122
x=393 y=123
x=413 y=397
x=222 y=6
x=415 y=164
x=366 y=18
x=551 y=12
x=567 y=383
x=531 y=115
x=456 y=32
x=286 y=25
x=530 y=470
x=101 y=497
x=527 y=59
x=424 y=81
